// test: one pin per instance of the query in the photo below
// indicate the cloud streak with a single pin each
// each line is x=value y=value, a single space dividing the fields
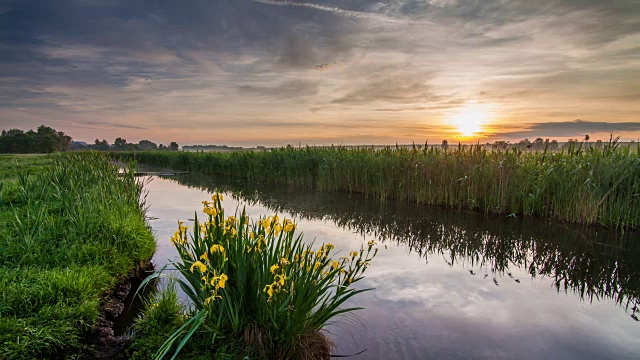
x=329 y=9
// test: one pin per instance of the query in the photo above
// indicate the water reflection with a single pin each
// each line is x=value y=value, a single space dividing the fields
x=449 y=284
x=593 y=263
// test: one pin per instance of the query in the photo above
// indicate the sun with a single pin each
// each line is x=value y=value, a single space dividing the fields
x=470 y=120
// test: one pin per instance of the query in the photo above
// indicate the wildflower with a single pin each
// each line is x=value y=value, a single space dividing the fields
x=284 y=261
x=210 y=211
x=216 y=248
x=277 y=227
x=199 y=265
x=269 y=290
x=222 y=280
x=329 y=246
x=371 y=243
x=280 y=279
x=204 y=256
x=211 y=298
x=274 y=268
x=252 y=235
x=335 y=265
x=217 y=197
x=353 y=253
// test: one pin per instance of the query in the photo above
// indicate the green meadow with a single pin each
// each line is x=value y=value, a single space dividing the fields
x=580 y=184
x=71 y=228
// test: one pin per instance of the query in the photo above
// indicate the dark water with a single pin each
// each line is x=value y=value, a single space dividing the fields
x=450 y=284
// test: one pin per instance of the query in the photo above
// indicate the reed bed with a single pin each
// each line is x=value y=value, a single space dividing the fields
x=587 y=185
x=68 y=234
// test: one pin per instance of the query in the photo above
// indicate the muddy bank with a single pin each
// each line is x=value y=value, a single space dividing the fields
x=108 y=338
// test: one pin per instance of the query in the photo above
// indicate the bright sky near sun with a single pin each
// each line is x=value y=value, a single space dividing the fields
x=332 y=71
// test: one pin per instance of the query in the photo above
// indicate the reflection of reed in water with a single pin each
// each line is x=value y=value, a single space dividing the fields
x=594 y=263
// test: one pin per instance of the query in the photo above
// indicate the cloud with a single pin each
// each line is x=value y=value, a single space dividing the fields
x=287 y=89
x=115 y=125
x=392 y=89
x=573 y=128
x=400 y=61
x=329 y=9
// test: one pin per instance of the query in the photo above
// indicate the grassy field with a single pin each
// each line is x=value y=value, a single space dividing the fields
x=14 y=164
x=69 y=231
x=599 y=185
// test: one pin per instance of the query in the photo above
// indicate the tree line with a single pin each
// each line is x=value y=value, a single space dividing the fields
x=43 y=140
x=121 y=144
x=47 y=140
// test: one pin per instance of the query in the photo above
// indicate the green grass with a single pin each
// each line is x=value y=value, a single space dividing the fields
x=12 y=165
x=68 y=233
x=583 y=185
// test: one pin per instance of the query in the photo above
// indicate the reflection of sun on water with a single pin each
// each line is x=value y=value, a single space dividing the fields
x=470 y=120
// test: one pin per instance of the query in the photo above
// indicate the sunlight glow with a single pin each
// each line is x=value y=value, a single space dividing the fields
x=470 y=120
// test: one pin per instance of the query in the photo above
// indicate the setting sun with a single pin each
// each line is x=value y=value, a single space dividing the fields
x=470 y=120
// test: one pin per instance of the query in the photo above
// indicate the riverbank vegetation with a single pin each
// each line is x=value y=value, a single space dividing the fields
x=256 y=289
x=68 y=233
x=588 y=185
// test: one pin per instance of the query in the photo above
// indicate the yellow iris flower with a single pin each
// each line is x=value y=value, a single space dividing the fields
x=269 y=290
x=274 y=268
x=202 y=267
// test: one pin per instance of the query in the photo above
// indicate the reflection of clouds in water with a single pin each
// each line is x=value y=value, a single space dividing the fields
x=431 y=309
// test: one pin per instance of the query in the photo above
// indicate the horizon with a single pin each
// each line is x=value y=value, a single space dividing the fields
x=272 y=73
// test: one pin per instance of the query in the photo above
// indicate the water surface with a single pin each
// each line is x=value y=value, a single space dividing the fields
x=449 y=284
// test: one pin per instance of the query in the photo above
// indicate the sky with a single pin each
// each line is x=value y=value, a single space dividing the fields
x=272 y=73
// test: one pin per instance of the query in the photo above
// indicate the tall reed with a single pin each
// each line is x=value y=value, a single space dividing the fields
x=591 y=185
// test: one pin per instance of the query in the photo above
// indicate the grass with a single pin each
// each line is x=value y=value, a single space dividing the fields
x=69 y=231
x=256 y=289
x=590 y=185
x=12 y=165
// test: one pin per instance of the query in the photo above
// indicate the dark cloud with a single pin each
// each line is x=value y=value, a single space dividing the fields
x=116 y=125
x=288 y=89
x=570 y=128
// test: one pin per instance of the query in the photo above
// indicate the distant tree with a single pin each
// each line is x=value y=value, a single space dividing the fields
x=445 y=144
x=524 y=144
x=553 y=145
x=101 y=145
x=501 y=144
x=43 y=140
x=121 y=144
x=173 y=146
x=147 y=145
